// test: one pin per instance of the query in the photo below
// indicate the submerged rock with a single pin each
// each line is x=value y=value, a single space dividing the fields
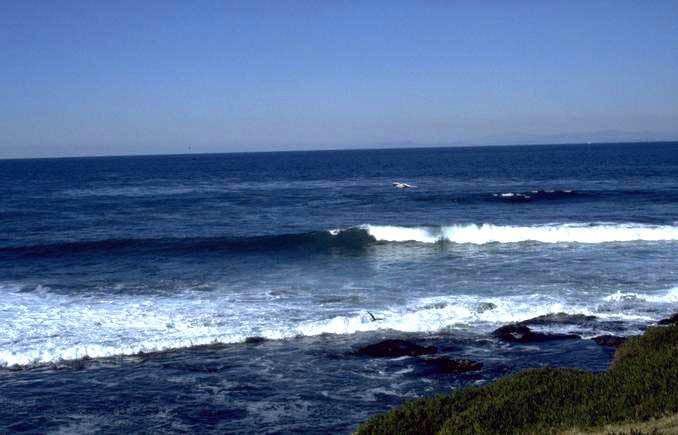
x=73 y=364
x=610 y=340
x=447 y=365
x=517 y=333
x=396 y=348
x=486 y=306
x=559 y=319
x=673 y=320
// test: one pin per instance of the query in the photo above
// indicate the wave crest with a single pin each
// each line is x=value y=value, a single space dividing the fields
x=537 y=195
x=554 y=233
x=43 y=327
x=361 y=237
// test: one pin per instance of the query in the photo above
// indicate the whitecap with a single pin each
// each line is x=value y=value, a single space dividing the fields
x=552 y=233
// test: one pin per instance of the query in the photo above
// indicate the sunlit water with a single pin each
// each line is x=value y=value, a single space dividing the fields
x=110 y=257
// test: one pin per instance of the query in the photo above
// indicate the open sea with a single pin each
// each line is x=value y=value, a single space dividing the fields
x=230 y=292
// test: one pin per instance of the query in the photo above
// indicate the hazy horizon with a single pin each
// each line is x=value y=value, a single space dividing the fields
x=384 y=147
x=87 y=79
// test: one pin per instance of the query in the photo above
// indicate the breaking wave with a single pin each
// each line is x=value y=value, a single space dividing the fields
x=43 y=327
x=544 y=196
x=670 y=296
x=554 y=233
x=362 y=236
x=538 y=195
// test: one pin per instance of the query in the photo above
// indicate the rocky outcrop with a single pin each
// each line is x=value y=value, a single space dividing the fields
x=559 y=319
x=517 y=333
x=447 y=365
x=395 y=348
x=486 y=306
x=673 y=320
x=610 y=340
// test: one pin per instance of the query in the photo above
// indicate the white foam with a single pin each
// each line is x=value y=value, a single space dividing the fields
x=553 y=233
x=44 y=327
x=41 y=326
x=387 y=233
x=463 y=311
x=666 y=297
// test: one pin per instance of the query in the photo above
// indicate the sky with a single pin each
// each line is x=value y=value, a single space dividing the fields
x=148 y=77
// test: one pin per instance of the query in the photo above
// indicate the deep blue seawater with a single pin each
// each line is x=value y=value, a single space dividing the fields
x=123 y=257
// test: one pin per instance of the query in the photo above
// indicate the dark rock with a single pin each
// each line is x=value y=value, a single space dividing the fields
x=447 y=365
x=559 y=319
x=435 y=306
x=609 y=340
x=673 y=320
x=72 y=364
x=522 y=334
x=255 y=340
x=486 y=306
x=396 y=348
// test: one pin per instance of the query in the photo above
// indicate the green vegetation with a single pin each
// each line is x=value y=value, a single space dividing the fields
x=666 y=425
x=641 y=384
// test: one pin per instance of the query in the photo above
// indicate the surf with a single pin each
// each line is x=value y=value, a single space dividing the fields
x=589 y=233
x=360 y=237
x=46 y=327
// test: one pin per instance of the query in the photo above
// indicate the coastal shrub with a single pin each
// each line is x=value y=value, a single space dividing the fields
x=642 y=383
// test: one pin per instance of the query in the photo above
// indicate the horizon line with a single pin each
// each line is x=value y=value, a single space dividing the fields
x=369 y=148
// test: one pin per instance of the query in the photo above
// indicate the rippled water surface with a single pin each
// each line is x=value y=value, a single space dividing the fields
x=110 y=257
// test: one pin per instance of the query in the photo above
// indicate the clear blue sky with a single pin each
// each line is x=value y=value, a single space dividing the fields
x=137 y=77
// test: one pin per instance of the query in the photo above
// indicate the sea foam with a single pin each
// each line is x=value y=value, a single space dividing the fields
x=668 y=297
x=42 y=327
x=553 y=233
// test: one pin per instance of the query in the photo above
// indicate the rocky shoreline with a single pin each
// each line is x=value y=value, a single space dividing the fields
x=641 y=384
x=519 y=333
x=355 y=376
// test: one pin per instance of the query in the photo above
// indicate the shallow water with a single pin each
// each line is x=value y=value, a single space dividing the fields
x=299 y=385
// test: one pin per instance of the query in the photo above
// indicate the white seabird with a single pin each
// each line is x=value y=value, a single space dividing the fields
x=399 y=185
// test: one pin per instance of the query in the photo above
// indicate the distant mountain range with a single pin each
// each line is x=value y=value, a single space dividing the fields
x=512 y=138
x=522 y=138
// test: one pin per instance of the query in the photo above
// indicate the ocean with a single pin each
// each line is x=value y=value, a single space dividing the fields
x=230 y=292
